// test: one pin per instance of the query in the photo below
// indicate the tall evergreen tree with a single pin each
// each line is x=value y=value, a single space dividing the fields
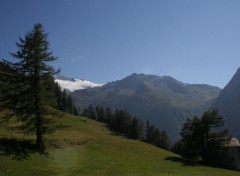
x=101 y=117
x=135 y=129
x=89 y=112
x=109 y=115
x=63 y=106
x=152 y=135
x=191 y=138
x=27 y=93
x=165 y=141
x=147 y=130
x=58 y=94
x=142 y=126
x=178 y=147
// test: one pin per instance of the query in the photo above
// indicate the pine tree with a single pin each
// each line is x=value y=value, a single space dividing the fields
x=157 y=137
x=89 y=112
x=191 y=138
x=152 y=134
x=101 y=117
x=109 y=115
x=165 y=141
x=63 y=100
x=135 y=129
x=63 y=106
x=147 y=131
x=178 y=147
x=69 y=104
x=27 y=94
x=141 y=125
x=58 y=94
x=201 y=138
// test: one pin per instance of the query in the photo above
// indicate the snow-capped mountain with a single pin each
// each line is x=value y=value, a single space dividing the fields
x=72 y=84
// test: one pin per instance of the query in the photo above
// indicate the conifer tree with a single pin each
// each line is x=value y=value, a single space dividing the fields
x=135 y=129
x=89 y=112
x=147 y=130
x=100 y=114
x=58 y=94
x=165 y=141
x=27 y=93
x=109 y=115
x=152 y=134
x=202 y=138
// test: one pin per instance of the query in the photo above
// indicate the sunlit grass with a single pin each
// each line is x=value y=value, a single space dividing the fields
x=86 y=147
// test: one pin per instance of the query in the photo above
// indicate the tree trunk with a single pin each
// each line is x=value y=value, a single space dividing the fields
x=39 y=140
x=38 y=116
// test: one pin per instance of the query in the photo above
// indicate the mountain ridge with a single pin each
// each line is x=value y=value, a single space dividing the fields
x=228 y=104
x=164 y=101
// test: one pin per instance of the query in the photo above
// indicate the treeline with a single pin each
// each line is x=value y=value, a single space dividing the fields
x=63 y=100
x=120 y=121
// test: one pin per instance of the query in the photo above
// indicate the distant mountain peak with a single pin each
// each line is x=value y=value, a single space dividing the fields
x=162 y=100
x=72 y=84
x=236 y=75
x=238 y=70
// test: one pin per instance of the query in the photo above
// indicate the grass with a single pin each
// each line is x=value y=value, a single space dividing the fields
x=85 y=147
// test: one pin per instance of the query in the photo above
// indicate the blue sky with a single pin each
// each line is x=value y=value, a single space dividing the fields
x=194 y=41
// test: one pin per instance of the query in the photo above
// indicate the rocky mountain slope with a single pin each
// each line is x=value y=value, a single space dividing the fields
x=228 y=104
x=164 y=101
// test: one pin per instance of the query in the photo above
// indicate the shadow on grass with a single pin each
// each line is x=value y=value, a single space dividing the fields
x=18 y=150
x=61 y=127
x=183 y=161
x=114 y=133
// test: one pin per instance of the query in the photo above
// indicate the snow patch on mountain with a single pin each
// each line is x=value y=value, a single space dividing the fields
x=76 y=84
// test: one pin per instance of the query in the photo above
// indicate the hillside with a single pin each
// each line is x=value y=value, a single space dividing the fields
x=164 y=101
x=228 y=104
x=85 y=147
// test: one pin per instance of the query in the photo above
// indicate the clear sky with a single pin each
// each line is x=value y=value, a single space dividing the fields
x=194 y=41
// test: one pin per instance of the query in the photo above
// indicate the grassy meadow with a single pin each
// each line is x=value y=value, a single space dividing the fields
x=86 y=147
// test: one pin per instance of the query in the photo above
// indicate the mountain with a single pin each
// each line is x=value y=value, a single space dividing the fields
x=164 y=101
x=72 y=84
x=228 y=104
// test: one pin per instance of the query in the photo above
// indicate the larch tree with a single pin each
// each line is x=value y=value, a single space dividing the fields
x=28 y=94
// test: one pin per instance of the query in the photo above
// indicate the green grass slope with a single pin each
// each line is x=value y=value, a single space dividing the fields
x=85 y=147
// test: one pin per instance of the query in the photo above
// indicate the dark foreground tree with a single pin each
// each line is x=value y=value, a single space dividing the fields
x=27 y=93
x=202 y=139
